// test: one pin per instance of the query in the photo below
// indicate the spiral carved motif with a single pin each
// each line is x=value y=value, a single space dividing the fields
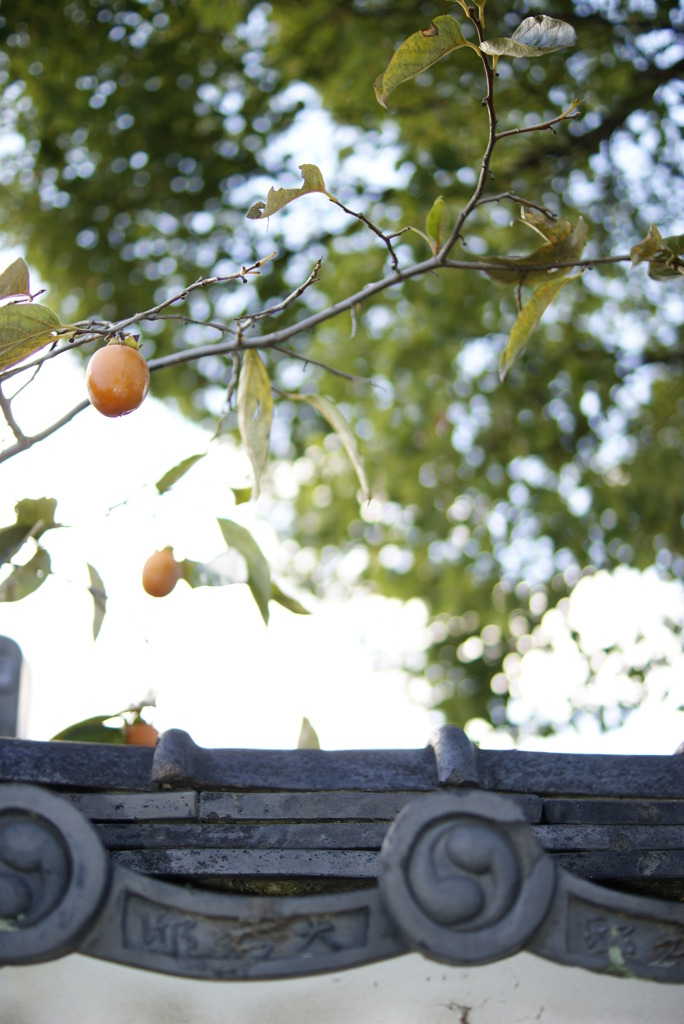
x=53 y=875
x=463 y=877
x=34 y=869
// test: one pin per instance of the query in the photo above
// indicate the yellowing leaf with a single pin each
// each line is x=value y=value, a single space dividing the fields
x=99 y=594
x=277 y=198
x=551 y=229
x=534 y=37
x=25 y=327
x=334 y=417
x=258 y=571
x=567 y=242
x=308 y=737
x=418 y=52
x=255 y=412
x=528 y=319
x=15 y=280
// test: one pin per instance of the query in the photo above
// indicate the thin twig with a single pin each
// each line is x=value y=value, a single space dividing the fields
x=28 y=442
x=487 y=102
x=251 y=318
x=355 y=378
x=6 y=406
x=202 y=282
x=568 y=115
x=527 y=203
x=387 y=239
x=181 y=318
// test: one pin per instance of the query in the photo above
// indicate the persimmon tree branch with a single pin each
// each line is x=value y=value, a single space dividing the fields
x=272 y=340
x=237 y=337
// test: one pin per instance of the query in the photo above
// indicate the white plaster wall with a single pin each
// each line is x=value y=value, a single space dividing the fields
x=408 y=990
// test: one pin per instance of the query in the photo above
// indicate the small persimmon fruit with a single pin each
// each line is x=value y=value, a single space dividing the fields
x=141 y=734
x=117 y=378
x=161 y=573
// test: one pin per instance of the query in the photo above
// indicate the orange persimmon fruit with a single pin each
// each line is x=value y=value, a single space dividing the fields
x=117 y=378
x=141 y=734
x=161 y=573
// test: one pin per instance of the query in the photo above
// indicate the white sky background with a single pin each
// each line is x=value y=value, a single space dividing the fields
x=217 y=670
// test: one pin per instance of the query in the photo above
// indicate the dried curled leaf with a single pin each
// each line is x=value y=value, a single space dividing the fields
x=648 y=247
x=534 y=37
x=667 y=263
x=566 y=242
x=277 y=198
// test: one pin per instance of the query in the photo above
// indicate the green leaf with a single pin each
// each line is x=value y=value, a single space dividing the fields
x=255 y=412
x=93 y=730
x=24 y=579
x=34 y=517
x=567 y=242
x=308 y=737
x=242 y=494
x=286 y=601
x=529 y=317
x=334 y=417
x=436 y=223
x=15 y=280
x=25 y=327
x=99 y=594
x=277 y=198
x=418 y=52
x=534 y=37
x=258 y=571
x=171 y=477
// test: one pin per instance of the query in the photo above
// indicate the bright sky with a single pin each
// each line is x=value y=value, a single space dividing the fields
x=216 y=669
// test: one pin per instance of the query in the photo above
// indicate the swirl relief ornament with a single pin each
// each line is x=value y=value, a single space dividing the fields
x=53 y=875
x=34 y=870
x=463 y=878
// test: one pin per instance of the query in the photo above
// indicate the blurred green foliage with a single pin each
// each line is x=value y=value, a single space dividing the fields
x=146 y=130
